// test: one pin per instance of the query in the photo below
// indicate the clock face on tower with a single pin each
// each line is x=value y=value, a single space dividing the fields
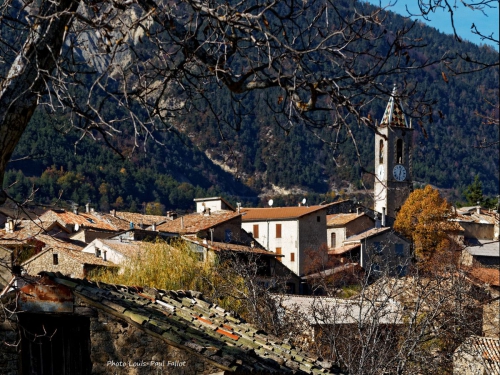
x=380 y=172
x=399 y=172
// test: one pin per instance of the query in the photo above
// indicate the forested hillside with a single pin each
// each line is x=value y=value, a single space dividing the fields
x=258 y=153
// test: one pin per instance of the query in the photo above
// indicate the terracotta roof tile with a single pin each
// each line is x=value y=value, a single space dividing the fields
x=137 y=219
x=368 y=233
x=485 y=348
x=185 y=320
x=343 y=249
x=258 y=214
x=82 y=219
x=222 y=246
x=489 y=276
x=129 y=249
x=341 y=219
x=193 y=223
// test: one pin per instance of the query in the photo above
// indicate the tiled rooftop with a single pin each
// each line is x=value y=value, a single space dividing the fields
x=129 y=249
x=343 y=249
x=341 y=219
x=137 y=219
x=485 y=248
x=89 y=220
x=277 y=213
x=193 y=223
x=185 y=320
x=487 y=348
x=489 y=276
x=367 y=233
x=223 y=246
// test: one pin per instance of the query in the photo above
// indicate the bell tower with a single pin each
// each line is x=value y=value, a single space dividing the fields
x=393 y=166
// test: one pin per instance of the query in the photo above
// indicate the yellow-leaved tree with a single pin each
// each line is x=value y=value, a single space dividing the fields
x=425 y=218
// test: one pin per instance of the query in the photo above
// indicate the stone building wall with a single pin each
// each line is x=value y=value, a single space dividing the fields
x=45 y=262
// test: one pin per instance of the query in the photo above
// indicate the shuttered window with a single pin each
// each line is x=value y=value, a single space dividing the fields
x=256 y=231
x=278 y=251
x=278 y=230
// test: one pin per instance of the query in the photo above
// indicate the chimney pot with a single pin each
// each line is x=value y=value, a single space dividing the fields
x=87 y=207
x=153 y=227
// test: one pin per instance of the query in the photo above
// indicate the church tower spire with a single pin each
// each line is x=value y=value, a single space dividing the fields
x=393 y=168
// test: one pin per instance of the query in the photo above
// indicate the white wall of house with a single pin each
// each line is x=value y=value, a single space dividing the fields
x=298 y=237
x=339 y=238
x=286 y=243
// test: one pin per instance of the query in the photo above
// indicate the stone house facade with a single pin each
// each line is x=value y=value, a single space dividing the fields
x=343 y=225
x=73 y=263
x=130 y=331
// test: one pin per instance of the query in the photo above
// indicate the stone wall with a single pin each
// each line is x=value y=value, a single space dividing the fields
x=119 y=348
x=45 y=262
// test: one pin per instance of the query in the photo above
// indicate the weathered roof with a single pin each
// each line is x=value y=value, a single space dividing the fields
x=348 y=267
x=489 y=276
x=329 y=311
x=13 y=239
x=185 y=320
x=486 y=348
x=129 y=249
x=278 y=213
x=473 y=217
x=341 y=219
x=485 y=248
x=223 y=246
x=193 y=223
x=367 y=233
x=394 y=115
x=137 y=219
x=343 y=249
x=82 y=219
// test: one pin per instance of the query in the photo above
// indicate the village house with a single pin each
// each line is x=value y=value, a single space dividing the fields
x=116 y=250
x=73 y=263
x=343 y=225
x=109 y=329
x=269 y=267
x=381 y=250
x=297 y=233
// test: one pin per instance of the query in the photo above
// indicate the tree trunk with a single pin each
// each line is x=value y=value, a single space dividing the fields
x=29 y=75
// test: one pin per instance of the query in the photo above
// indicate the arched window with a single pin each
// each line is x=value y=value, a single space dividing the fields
x=399 y=151
x=381 y=152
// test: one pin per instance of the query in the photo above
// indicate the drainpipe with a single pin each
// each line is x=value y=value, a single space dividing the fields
x=383 y=216
x=268 y=235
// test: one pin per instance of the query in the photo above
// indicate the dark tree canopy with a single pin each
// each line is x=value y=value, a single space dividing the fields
x=145 y=64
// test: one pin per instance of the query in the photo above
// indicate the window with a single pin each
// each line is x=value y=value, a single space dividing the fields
x=228 y=235
x=292 y=257
x=375 y=268
x=256 y=231
x=278 y=230
x=401 y=271
x=399 y=151
x=377 y=247
x=333 y=240
x=381 y=152
x=55 y=259
x=318 y=218
x=97 y=252
x=400 y=250
x=278 y=252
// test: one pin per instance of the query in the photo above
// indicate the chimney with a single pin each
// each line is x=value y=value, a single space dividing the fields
x=75 y=210
x=153 y=227
x=252 y=244
x=182 y=222
x=358 y=211
x=104 y=257
x=113 y=212
x=9 y=226
x=87 y=208
x=478 y=209
x=383 y=216
x=238 y=204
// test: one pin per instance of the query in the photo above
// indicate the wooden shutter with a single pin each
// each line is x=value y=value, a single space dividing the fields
x=278 y=230
x=256 y=231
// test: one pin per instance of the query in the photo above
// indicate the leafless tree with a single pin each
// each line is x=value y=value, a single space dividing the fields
x=134 y=67
x=406 y=325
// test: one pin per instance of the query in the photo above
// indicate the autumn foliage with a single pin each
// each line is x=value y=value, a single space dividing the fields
x=425 y=219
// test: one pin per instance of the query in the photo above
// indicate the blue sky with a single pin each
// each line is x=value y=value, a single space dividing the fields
x=464 y=18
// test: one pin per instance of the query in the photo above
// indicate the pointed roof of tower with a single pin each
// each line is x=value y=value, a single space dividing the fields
x=394 y=115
